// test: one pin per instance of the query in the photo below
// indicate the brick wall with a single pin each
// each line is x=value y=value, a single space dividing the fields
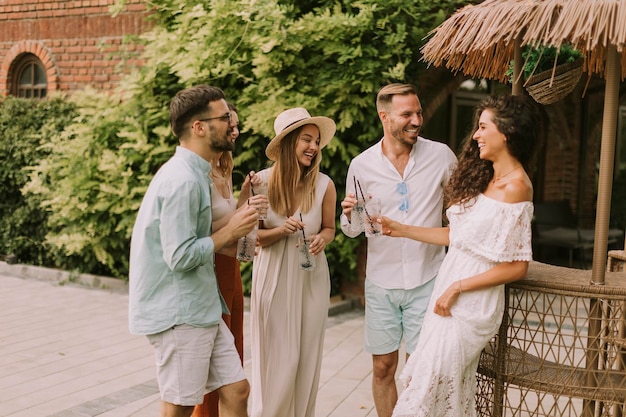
x=572 y=152
x=562 y=152
x=79 y=42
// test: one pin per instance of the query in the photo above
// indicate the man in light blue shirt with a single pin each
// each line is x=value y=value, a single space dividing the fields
x=174 y=298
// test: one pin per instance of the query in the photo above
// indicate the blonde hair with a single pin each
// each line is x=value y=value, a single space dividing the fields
x=386 y=93
x=288 y=174
x=225 y=163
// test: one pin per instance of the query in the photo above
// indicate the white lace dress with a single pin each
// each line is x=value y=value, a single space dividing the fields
x=441 y=373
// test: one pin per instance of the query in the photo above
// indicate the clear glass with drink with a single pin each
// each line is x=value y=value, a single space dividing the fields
x=260 y=189
x=246 y=245
x=305 y=258
x=358 y=218
x=372 y=214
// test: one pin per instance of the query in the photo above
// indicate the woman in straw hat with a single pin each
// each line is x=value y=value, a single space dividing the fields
x=489 y=237
x=289 y=305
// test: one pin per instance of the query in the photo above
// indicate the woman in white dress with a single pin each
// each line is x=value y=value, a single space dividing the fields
x=489 y=237
x=289 y=306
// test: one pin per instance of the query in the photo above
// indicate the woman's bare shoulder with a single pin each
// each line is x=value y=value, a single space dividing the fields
x=518 y=191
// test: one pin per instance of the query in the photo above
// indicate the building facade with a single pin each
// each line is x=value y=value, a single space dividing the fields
x=66 y=45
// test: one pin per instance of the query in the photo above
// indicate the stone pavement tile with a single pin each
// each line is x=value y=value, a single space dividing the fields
x=340 y=357
x=76 y=341
x=146 y=407
x=357 y=403
x=63 y=347
x=70 y=400
x=343 y=380
x=80 y=375
x=65 y=351
x=150 y=409
x=68 y=362
x=120 y=403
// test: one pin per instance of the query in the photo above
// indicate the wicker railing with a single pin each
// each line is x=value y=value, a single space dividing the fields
x=561 y=347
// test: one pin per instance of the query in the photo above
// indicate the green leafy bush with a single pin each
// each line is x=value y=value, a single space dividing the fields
x=330 y=57
x=96 y=172
x=25 y=129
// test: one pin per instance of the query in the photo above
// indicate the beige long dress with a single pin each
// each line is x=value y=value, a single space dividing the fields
x=289 y=308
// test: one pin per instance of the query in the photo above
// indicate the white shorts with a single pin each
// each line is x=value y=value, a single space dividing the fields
x=192 y=361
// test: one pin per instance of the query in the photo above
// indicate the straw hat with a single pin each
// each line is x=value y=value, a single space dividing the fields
x=290 y=120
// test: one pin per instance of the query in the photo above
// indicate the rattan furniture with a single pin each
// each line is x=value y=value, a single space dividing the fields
x=617 y=259
x=561 y=347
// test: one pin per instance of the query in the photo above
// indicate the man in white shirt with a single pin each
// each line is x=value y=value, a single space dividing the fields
x=408 y=174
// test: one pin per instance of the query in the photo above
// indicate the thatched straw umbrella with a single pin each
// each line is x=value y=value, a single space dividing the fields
x=480 y=41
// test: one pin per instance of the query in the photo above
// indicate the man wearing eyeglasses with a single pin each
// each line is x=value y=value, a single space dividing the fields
x=173 y=294
x=408 y=174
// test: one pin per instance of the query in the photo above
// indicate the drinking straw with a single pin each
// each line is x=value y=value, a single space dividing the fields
x=303 y=236
x=360 y=189
x=308 y=260
x=364 y=207
x=251 y=187
x=356 y=192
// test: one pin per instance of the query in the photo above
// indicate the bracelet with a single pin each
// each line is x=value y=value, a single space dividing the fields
x=460 y=287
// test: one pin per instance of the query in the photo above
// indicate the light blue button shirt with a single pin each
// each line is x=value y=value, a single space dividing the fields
x=172 y=276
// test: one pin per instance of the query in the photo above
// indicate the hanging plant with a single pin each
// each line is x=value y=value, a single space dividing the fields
x=544 y=58
x=550 y=73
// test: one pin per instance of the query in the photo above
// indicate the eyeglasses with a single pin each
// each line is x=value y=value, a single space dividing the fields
x=403 y=190
x=225 y=117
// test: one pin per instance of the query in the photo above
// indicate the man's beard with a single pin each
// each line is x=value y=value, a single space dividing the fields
x=399 y=135
x=224 y=145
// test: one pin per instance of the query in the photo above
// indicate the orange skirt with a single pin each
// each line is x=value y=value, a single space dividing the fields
x=229 y=282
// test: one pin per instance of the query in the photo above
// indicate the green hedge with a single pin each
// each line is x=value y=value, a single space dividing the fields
x=95 y=173
x=330 y=57
x=25 y=126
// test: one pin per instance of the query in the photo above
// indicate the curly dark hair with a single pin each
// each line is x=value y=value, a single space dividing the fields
x=523 y=123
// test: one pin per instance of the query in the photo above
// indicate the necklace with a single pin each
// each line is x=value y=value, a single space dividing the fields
x=496 y=179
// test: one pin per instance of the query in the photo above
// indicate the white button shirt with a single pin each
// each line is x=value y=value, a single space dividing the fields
x=400 y=263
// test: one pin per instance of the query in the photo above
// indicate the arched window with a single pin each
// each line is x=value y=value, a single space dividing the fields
x=30 y=79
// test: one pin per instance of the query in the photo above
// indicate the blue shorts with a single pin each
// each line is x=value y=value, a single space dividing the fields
x=392 y=314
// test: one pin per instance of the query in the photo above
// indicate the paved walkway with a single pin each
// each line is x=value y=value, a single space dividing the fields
x=65 y=351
